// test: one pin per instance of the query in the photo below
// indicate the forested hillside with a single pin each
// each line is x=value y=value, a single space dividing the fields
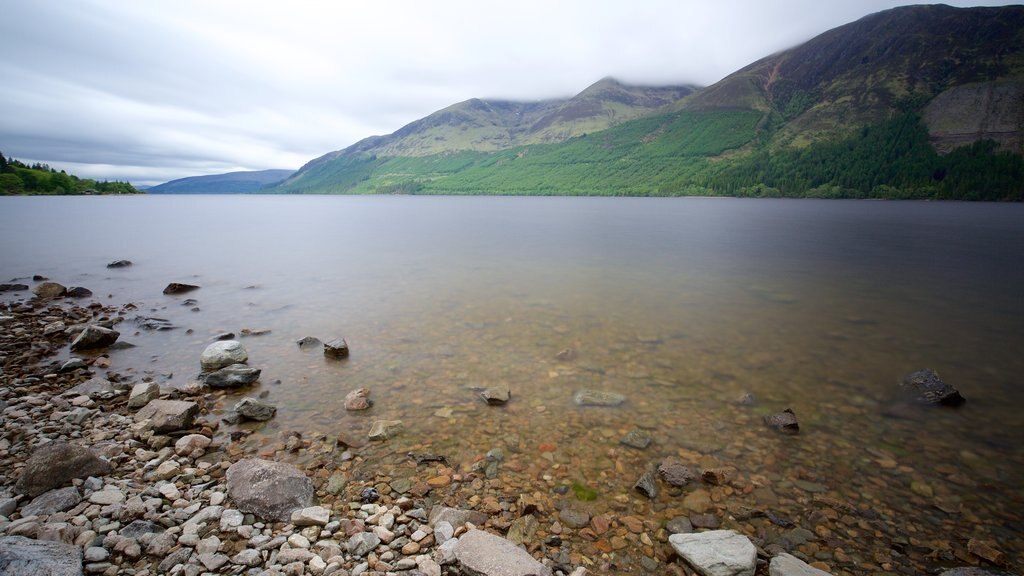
x=16 y=178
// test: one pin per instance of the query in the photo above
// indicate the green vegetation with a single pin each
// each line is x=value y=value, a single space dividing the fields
x=17 y=178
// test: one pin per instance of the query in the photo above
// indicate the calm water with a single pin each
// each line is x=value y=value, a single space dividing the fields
x=681 y=304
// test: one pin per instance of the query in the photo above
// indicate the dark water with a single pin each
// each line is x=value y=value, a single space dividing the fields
x=682 y=305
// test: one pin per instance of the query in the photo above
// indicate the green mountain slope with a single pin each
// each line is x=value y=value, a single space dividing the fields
x=921 y=101
x=230 y=183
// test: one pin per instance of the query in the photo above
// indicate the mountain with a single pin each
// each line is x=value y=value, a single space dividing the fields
x=230 y=183
x=491 y=125
x=912 y=102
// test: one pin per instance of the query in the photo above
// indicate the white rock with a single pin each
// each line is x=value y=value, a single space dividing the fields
x=190 y=444
x=169 y=491
x=717 y=552
x=317 y=565
x=248 y=557
x=298 y=541
x=311 y=516
x=109 y=495
x=230 y=519
x=787 y=565
x=221 y=354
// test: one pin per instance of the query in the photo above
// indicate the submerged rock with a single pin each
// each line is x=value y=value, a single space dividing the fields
x=598 y=398
x=497 y=394
x=95 y=337
x=154 y=323
x=931 y=389
x=717 y=552
x=636 y=439
x=309 y=342
x=120 y=264
x=179 y=288
x=675 y=472
x=358 y=399
x=13 y=287
x=233 y=376
x=784 y=421
x=647 y=484
x=336 y=348
x=384 y=429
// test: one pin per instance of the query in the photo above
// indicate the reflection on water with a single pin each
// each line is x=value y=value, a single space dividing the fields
x=683 y=305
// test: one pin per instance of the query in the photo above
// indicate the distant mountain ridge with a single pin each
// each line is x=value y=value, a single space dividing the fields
x=912 y=102
x=229 y=183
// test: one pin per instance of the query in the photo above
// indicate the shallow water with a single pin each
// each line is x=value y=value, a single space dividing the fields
x=683 y=305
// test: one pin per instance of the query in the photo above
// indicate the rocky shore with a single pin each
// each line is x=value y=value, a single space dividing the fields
x=105 y=473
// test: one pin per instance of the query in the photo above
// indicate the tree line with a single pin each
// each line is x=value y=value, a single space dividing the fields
x=19 y=178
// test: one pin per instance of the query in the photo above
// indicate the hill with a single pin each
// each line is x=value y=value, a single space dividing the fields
x=18 y=178
x=230 y=183
x=913 y=102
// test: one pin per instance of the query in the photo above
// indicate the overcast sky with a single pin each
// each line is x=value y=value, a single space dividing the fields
x=150 y=91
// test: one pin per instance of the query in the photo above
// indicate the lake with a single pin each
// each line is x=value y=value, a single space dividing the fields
x=682 y=305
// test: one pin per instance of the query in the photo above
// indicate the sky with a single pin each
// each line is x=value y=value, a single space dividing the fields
x=150 y=91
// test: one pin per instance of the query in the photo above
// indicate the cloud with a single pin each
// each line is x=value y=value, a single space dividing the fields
x=150 y=91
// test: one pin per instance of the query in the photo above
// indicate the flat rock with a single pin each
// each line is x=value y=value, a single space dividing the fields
x=636 y=439
x=717 y=553
x=49 y=290
x=143 y=393
x=94 y=337
x=20 y=556
x=179 y=288
x=168 y=415
x=255 y=409
x=233 y=376
x=598 y=398
x=784 y=421
x=384 y=429
x=151 y=323
x=482 y=553
x=270 y=490
x=931 y=389
x=221 y=354
x=311 y=516
x=497 y=394
x=120 y=264
x=456 y=517
x=336 y=348
x=358 y=399
x=573 y=518
x=139 y=527
x=13 y=287
x=57 y=463
x=95 y=388
x=787 y=565
x=52 y=501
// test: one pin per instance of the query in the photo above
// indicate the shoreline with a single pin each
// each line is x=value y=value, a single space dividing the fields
x=184 y=490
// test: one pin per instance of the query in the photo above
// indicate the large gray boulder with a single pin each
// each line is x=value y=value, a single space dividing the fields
x=168 y=415
x=717 y=552
x=787 y=565
x=270 y=490
x=222 y=354
x=57 y=463
x=94 y=337
x=20 y=556
x=485 y=554
x=233 y=376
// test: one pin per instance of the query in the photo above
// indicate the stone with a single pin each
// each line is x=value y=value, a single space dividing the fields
x=191 y=444
x=679 y=525
x=705 y=521
x=109 y=495
x=248 y=557
x=497 y=394
x=73 y=364
x=78 y=292
x=157 y=324
x=971 y=571
x=698 y=501
x=142 y=393
x=784 y=421
x=573 y=518
x=13 y=287
x=270 y=490
x=20 y=556
x=221 y=354
x=479 y=552
x=95 y=554
x=120 y=264
x=787 y=565
x=718 y=476
x=384 y=429
x=311 y=516
x=636 y=439
x=336 y=349
x=984 y=550
x=598 y=398
x=358 y=399
x=8 y=506
x=52 y=501
x=455 y=517
x=233 y=376
x=139 y=527
x=95 y=388
x=94 y=337
x=168 y=415
x=673 y=471
x=523 y=529
x=57 y=463
x=309 y=342
x=362 y=543
x=179 y=288
x=931 y=389
x=255 y=409
x=48 y=290
x=717 y=552
x=647 y=484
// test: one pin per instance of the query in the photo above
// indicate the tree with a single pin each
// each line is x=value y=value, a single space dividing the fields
x=11 y=184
